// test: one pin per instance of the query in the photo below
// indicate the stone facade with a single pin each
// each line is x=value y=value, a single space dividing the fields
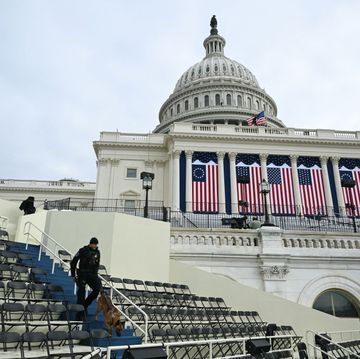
x=18 y=190
x=208 y=112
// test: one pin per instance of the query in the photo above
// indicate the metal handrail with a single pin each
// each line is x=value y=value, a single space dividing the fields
x=112 y=288
x=3 y=222
x=189 y=220
x=345 y=332
x=209 y=342
x=316 y=348
x=93 y=353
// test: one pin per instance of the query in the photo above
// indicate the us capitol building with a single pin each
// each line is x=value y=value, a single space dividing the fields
x=222 y=164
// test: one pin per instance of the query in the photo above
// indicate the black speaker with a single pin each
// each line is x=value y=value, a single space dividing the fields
x=257 y=346
x=144 y=353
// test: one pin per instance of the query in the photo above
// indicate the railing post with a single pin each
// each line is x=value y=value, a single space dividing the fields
x=40 y=246
x=146 y=328
x=53 y=265
x=28 y=234
x=210 y=350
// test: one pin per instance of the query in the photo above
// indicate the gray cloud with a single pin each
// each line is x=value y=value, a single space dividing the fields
x=69 y=70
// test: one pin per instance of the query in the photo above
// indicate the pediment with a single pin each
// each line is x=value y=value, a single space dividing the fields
x=129 y=194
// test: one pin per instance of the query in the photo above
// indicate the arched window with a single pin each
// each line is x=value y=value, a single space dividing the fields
x=196 y=102
x=257 y=104
x=178 y=108
x=249 y=102
x=337 y=303
x=228 y=99
x=264 y=107
x=239 y=100
x=206 y=100
x=217 y=99
x=171 y=112
x=186 y=105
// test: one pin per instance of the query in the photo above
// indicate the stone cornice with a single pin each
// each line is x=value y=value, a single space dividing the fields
x=129 y=144
x=223 y=111
x=216 y=86
x=266 y=139
x=45 y=189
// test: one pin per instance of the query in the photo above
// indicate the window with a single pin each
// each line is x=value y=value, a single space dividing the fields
x=239 y=101
x=264 y=107
x=129 y=204
x=196 y=102
x=186 y=105
x=131 y=173
x=171 y=112
x=178 y=108
x=337 y=303
x=228 y=99
x=206 y=100
x=217 y=99
x=249 y=102
x=257 y=104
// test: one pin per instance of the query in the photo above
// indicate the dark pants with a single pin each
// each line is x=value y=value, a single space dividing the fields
x=94 y=282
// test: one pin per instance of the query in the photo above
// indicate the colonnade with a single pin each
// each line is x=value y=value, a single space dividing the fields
x=233 y=180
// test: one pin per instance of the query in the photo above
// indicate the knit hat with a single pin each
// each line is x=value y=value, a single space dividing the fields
x=94 y=240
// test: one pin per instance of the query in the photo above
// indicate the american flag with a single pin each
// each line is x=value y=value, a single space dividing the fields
x=281 y=186
x=250 y=121
x=350 y=170
x=260 y=119
x=257 y=120
x=248 y=173
x=204 y=182
x=311 y=186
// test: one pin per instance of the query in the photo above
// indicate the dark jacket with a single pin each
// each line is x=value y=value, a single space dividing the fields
x=28 y=206
x=89 y=261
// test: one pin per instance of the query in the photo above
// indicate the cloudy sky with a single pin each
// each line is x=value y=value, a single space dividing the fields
x=72 y=68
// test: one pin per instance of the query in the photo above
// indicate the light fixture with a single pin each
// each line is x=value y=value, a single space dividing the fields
x=147 y=179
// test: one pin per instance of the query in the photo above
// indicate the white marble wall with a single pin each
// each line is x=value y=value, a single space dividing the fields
x=294 y=265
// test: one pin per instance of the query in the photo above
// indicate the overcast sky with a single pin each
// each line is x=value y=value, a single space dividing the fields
x=70 y=69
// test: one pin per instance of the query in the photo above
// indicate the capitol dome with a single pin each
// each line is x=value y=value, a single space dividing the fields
x=214 y=67
x=217 y=90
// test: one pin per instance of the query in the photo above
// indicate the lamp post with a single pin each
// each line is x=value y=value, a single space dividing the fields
x=243 y=180
x=147 y=179
x=265 y=190
x=350 y=184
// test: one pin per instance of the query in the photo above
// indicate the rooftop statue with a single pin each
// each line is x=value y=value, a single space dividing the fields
x=213 y=24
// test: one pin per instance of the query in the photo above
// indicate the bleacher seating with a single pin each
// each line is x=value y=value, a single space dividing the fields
x=340 y=350
x=38 y=312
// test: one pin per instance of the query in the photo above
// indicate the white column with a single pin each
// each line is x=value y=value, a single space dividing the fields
x=188 y=189
x=339 y=195
x=113 y=180
x=101 y=178
x=221 y=181
x=233 y=184
x=176 y=181
x=325 y=176
x=295 y=178
x=263 y=158
x=108 y=170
